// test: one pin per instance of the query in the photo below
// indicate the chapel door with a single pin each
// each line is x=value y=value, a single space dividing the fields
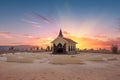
x=59 y=48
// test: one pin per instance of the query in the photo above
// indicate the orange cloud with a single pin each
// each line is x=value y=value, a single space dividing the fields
x=24 y=39
x=42 y=41
x=86 y=42
x=83 y=42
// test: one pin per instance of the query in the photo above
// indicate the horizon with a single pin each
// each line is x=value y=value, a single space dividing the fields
x=92 y=24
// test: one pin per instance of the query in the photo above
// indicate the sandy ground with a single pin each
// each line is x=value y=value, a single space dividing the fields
x=109 y=70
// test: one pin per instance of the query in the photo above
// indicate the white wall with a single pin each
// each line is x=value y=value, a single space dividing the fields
x=62 y=41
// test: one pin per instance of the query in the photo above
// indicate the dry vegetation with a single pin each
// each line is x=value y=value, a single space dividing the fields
x=59 y=59
x=19 y=59
x=24 y=58
x=65 y=59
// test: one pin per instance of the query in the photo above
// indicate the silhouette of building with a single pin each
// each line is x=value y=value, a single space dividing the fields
x=62 y=45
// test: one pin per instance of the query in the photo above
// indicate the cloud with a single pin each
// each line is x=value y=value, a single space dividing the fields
x=66 y=33
x=14 y=35
x=97 y=43
x=26 y=36
x=100 y=36
x=28 y=21
x=43 y=18
x=6 y=34
x=87 y=42
x=8 y=38
x=42 y=41
x=33 y=23
x=115 y=41
x=40 y=21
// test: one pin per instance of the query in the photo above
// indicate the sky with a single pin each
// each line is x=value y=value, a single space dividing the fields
x=91 y=23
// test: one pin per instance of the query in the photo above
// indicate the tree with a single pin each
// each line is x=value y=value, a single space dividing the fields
x=11 y=49
x=114 y=49
x=48 y=48
x=41 y=49
x=37 y=48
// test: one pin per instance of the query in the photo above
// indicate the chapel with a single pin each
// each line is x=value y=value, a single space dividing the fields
x=62 y=45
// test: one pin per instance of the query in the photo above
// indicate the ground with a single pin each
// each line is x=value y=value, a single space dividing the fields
x=84 y=66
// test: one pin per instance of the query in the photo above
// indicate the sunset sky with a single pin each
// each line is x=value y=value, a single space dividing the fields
x=91 y=23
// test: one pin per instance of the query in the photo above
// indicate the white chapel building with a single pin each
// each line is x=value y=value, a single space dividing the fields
x=62 y=45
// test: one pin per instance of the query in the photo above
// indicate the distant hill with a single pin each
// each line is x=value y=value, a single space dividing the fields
x=18 y=47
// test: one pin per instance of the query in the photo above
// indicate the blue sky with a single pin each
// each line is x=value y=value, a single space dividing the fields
x=82 y=18
x=12 y=11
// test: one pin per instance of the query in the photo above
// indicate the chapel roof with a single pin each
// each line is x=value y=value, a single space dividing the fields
x=67 y=39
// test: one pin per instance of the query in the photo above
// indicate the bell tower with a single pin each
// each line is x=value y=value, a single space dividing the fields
x=60 y=33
